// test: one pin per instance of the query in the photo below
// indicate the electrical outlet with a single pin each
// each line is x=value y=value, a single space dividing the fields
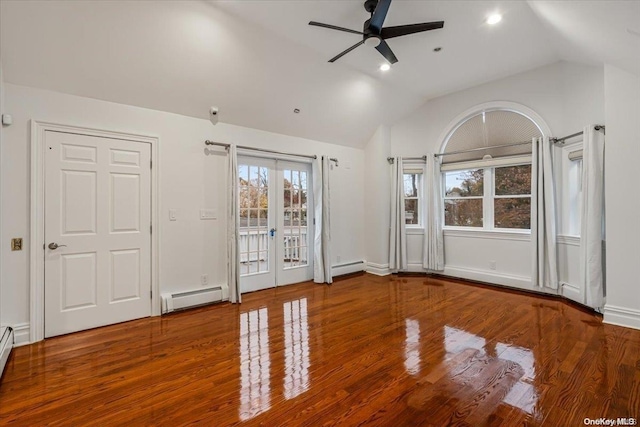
x=204 y=279
x=492 y=265
x=16 y=244
x=172 y=214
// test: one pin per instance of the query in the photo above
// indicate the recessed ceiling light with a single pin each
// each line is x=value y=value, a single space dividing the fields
x=494 y=19
x=385 y=67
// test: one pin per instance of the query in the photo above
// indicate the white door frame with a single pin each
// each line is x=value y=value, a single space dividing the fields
x=36 y=240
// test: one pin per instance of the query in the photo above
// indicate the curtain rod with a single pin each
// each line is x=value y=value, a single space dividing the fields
x=225 y=145
x=561 y=140
x=554 y=140
x=391 y=159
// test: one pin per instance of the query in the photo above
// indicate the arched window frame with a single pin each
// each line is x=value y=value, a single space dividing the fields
x=488 y=165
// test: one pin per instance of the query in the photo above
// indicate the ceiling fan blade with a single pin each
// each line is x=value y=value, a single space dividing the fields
x=403 y=30
x=379 y=15
x=385 y=50
x=343 y=53
x=333 y=27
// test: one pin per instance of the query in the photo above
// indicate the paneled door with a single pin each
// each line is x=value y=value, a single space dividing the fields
x=97 y=231
x=276 y=223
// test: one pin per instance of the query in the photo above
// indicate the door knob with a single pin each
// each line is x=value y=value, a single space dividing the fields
x=272 y=232
x=54 y=246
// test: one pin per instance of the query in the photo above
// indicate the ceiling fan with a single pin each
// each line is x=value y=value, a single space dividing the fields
x=373 y=34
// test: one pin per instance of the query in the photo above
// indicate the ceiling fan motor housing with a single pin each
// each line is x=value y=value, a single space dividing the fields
x=370 y=5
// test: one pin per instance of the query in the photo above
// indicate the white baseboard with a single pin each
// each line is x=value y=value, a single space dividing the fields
x=415 y=268
x=378 y=269
x=622 y=316
x=348 y=268
x=520 y=282
x=21 y=334
x=572 y=292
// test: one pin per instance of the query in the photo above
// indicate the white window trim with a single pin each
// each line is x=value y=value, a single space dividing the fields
x=416 y=168
x=489 y=195
x=565 y=164
x=485 y=163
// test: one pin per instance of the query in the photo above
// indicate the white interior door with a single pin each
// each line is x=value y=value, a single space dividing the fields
x=276 y=223
x=97 y=232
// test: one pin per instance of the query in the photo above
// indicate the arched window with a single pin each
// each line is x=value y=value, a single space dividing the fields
x=486 y=164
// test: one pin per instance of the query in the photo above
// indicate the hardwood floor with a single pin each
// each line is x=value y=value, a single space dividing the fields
x=389 y=351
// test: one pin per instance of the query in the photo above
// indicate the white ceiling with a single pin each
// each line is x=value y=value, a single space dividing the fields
x=258 y=60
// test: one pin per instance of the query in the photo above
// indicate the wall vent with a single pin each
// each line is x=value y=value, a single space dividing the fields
x=187 y=299
x=6 y=344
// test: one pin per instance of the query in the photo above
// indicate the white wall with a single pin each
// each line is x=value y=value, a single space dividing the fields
x=2 y=321
x=189 y=181
x=377 y=187
x=567 y=96
x=622 y=109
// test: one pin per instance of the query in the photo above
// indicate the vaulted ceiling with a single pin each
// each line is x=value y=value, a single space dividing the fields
x=259 y=60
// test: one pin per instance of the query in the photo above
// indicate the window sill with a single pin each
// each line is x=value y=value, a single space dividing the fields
x=523 y=236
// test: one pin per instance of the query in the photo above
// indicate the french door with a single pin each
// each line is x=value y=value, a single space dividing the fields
x=276 y=223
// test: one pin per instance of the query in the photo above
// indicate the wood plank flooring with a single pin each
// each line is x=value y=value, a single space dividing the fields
x=367 y=350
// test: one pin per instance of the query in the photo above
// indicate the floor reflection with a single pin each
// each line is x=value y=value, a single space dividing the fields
x=255 y=363
x=521 y=393
x=296 y=341
x=412 y=347
x=456 y=340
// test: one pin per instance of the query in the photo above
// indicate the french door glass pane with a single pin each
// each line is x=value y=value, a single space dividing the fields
x=253 y=242
x=295 y=218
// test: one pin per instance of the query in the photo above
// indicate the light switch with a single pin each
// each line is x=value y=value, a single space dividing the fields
x=172 y=214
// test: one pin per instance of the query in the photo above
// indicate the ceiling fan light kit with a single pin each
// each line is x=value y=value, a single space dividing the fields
x=375 y=35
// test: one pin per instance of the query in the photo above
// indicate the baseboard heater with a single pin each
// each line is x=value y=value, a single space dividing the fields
x=188 y=299
x=6 y=344
x=348 y=268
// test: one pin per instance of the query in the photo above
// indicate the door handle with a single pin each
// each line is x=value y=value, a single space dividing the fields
x=272 y=232
x=54 y=246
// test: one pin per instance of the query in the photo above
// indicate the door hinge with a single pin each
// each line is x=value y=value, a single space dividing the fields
x=150 y=164
x=150 y=229
x=151 y=294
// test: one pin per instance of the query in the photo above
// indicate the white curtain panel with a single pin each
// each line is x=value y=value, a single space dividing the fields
x=543 y=216
x=398 y=228
x=322 y=210
x=592 y=219
x=433 y=250
x=233 y=227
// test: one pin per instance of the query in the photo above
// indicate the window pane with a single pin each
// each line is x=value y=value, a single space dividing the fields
x=411 y=211
x=463 y=213
x=513 y=213
x=513 y=180
x=464 y=183
x=411 y=185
